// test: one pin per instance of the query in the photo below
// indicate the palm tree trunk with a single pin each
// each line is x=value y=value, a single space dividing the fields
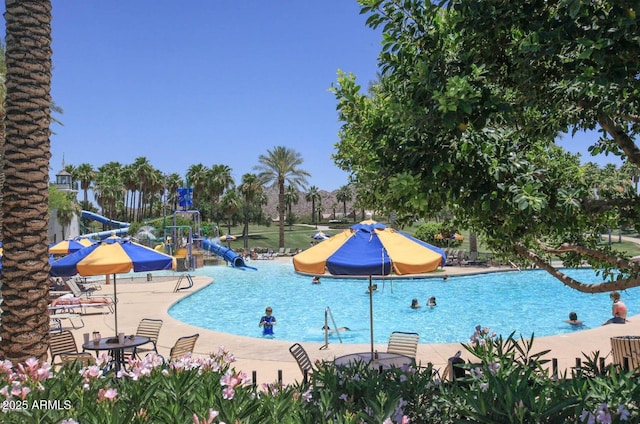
x=25 y=273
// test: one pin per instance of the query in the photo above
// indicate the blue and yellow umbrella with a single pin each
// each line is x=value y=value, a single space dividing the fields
x=370 y=248
x=112 y=256
x=69 y=246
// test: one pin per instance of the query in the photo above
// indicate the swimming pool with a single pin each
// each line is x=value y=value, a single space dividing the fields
x=528 y=302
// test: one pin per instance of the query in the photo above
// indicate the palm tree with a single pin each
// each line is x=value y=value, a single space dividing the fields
x=197 y=180
x=144 y=172
x=219 y=180
x=313 y=195
x=172 y=184
x=344 y=195
x=281 y=165
x=250 y=188
x=231 y=203
x=291 y=197
x=86 y=175
x=25 y=288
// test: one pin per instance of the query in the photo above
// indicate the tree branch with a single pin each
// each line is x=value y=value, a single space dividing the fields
x=522 y=251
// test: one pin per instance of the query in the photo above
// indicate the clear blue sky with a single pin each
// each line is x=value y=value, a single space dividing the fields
x=211 y=82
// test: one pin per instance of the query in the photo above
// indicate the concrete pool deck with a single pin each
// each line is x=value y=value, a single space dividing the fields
x=139 y=298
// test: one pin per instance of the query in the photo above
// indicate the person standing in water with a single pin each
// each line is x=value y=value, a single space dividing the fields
x=267 y=322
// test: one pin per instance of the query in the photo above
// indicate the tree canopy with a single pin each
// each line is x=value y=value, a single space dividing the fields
x=469 y=103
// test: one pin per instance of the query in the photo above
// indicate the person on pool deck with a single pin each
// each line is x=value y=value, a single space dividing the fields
x=618 y=310
x=415 y=304
x=267 y=322
x=315 y=280
x=431 y=301
x=573 y=319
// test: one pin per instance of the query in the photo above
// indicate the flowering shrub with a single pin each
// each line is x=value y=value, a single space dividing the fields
x=507 y=384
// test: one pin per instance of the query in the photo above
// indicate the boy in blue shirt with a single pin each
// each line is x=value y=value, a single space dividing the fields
x=267 y=322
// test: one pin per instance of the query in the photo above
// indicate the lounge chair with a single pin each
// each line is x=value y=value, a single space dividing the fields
x=403 y=344
x=302 y=358
x=62 y=343
x=626 y=352
x=87 y=294
x=183 y=346
x=70 y=304
x=75 y=320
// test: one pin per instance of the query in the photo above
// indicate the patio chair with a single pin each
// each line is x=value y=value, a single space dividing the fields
x=183 y=346
x=302 y=358
x=62 y=343
x=83 y=358
x=626 y=352
x=403 y=343
x=148 y=328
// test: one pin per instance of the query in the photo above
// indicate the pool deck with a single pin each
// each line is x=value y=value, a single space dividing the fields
x=139 y=298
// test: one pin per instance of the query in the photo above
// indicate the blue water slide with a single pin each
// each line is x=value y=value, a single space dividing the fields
x=228 y=255
x=122 y=227
x=104 y=220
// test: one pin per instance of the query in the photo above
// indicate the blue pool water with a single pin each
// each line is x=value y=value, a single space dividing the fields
x=527 y=302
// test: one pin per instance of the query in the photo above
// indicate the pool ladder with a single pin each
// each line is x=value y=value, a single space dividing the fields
x=327 y=315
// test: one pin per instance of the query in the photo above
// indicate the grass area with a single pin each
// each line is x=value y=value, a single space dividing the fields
x=299 y=236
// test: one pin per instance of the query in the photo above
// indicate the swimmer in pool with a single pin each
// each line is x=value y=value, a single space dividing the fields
x=325 y=327
x=431 y=301
x=267 y=322
x=415 y=304
x=573 y=319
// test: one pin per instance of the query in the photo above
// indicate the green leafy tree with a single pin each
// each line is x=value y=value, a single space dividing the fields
x=279 y=166
x=26 y=153
x=466 y=112
x=65 y=205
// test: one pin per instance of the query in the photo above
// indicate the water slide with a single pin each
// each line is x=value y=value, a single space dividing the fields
x=228 y=255
x=123 y=227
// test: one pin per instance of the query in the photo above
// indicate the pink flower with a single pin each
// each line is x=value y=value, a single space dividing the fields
x=108 y=394
x=228 y=392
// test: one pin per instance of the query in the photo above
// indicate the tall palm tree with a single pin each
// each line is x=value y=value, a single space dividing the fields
x=291 y=197
x=172 y=183
x=313 y=195
x=219 y=179
x=250 y=188
x=25 y=273
x=145 y=172
x=344 y=195
x=280 y=166
x=86 y=175
x=231 y=203
x=197 y=180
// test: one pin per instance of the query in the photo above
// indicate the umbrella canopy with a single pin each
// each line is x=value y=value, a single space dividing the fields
x=320 y=236
x=370 y=248
x=112 y=256
x=228 y=237
x=69 y=246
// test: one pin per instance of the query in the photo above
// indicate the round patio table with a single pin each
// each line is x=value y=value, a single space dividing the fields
x=115 y=348
x=380 y=360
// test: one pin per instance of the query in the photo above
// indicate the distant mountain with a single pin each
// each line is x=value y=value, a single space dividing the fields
x=303 y=208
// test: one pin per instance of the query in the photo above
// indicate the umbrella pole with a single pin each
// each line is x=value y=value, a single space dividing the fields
x=371 y=313
x=115 y=303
